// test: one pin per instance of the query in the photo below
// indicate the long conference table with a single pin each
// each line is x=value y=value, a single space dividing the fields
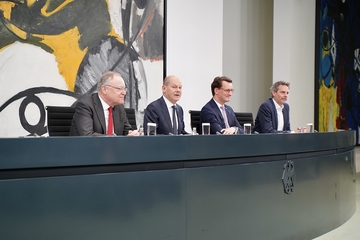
x=266 y=186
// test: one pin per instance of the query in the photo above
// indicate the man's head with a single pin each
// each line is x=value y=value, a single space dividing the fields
x=172 y=88
x=111 y=87
x=222 y=89
x=279 y=91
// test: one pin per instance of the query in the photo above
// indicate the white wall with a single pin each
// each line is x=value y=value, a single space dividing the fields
x=247 y=51
x=194 y=49
x=294 y=55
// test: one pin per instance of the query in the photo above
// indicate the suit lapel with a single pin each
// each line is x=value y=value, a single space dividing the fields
x=99 y=111
x=274 y=115
x=179 y=116
x=286 y=120
x=165 y=113
x=229 y=116
x=116 y=117
x=218 y=113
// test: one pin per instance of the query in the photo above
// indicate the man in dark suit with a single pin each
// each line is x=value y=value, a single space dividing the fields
x=93 y=112
x=165 y=112
x=274 y=114
x=221 y=117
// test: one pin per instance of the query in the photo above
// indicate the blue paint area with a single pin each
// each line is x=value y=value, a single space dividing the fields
x=340 y=39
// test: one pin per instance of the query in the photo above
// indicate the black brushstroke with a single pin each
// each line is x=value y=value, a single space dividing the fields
x=38 y=128
x=30 y=97
x=92 y=20
x=90 y=17
x=37 y=90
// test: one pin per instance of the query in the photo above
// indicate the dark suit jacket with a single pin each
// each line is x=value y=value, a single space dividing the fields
x=211 y=113
x=157 y=112
x=266 y=119
x=89 y=118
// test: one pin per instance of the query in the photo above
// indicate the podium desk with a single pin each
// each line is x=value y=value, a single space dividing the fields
x=266 y=186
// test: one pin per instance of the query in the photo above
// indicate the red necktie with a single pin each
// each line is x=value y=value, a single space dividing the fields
x=110 y=122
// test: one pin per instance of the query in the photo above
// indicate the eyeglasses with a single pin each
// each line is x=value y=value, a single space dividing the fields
x=228 y=90
x=120 y=89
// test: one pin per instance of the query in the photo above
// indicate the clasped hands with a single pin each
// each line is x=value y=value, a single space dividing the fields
x=301 y=130
x=227 y=131
x=133 y=133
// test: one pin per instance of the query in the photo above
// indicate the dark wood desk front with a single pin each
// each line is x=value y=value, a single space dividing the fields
x=271 y=186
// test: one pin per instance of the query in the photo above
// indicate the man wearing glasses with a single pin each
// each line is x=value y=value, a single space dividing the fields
x=221 y=117
x=103 y=112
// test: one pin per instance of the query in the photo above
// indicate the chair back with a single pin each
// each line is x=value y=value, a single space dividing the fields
x=244 y=117
x=195 y=119
x=130 y=113
x=59 y=120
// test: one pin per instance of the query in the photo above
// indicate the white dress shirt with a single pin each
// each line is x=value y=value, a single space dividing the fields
x=280 y=116
x=106 y=111
x=170 y=110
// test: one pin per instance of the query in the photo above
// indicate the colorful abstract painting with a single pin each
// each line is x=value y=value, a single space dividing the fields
x=53 y=51
x=338 y=65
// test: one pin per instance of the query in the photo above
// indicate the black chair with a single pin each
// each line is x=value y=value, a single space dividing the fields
x=130 y=113
x=245 y=117
x=195 y=120
x=59 y=120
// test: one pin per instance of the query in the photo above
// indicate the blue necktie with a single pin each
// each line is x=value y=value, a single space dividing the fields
x=174 y=120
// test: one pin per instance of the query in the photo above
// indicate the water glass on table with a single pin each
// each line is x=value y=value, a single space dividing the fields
x=205 y=127
x=247 y=128
x=151 y=129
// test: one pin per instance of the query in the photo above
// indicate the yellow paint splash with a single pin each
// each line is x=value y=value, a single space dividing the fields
x=65 y=45
x=44 y=10
x=6 y=8
x=328 y=108
x=67 y=54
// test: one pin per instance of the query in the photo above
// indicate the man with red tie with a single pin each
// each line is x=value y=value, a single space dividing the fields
x=103 y=112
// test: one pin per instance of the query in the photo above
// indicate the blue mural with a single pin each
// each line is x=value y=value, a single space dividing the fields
x=338 y=65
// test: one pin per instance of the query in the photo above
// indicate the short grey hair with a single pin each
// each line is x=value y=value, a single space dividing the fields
x=105 y=78
x=275 y=86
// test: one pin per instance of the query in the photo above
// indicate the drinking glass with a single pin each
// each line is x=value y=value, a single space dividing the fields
x=247 y=128
x=151 y=129
x=205 y=128
x=310 y=127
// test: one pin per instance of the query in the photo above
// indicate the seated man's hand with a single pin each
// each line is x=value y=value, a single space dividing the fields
x=228 y=131
x=301 y=130
x=133 y=133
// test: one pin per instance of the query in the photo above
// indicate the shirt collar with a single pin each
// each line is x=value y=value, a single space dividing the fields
x=168 y=103
x=103 y=103
x=277 y=106
x=218 y=104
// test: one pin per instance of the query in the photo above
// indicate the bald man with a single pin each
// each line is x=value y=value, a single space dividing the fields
x=165 y=112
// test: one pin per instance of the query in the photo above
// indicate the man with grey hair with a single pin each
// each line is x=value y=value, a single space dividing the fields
x=274 y=114
x=103 y=112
